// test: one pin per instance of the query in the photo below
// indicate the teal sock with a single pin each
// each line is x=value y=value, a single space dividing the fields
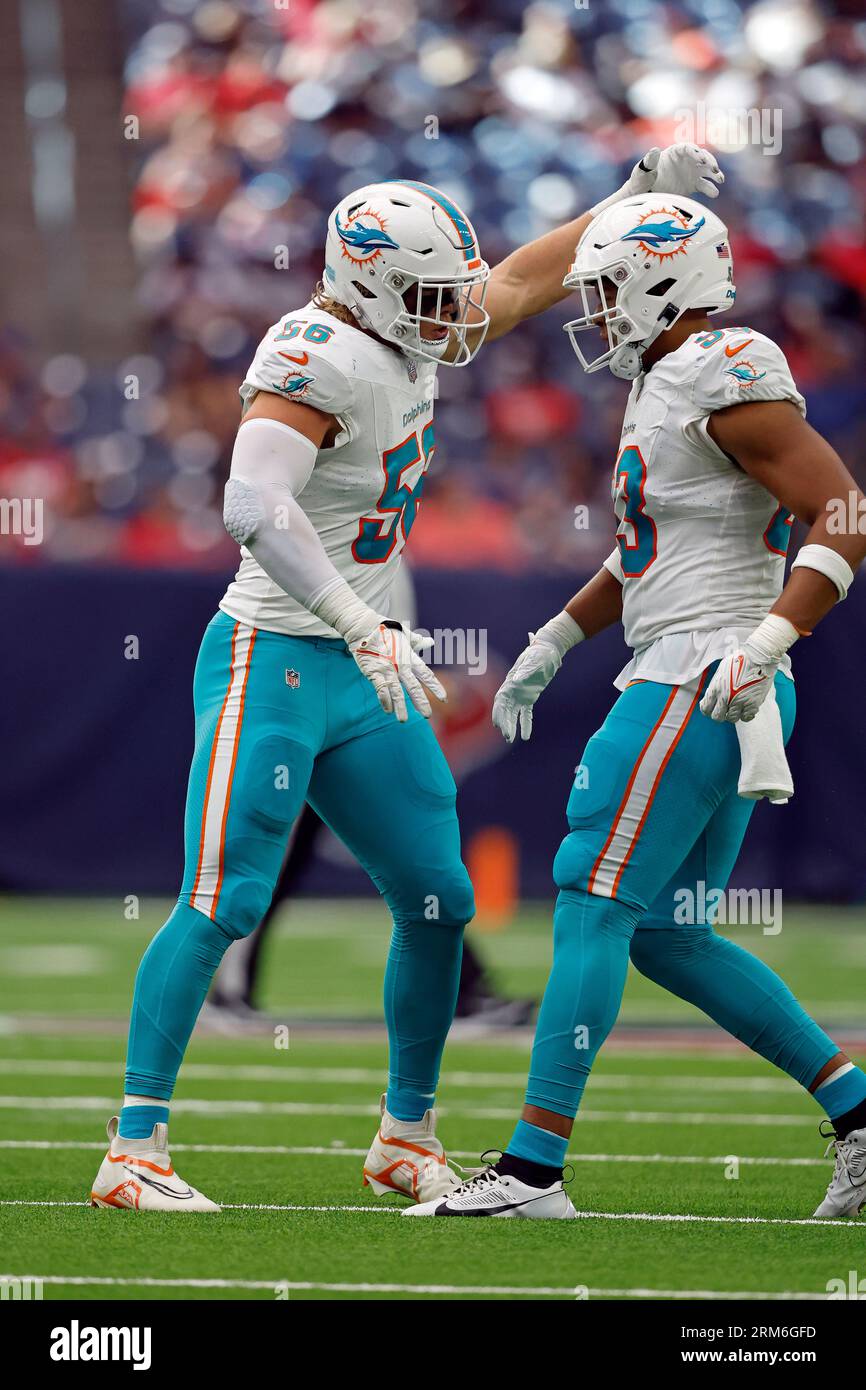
x=409 y=1106
x=537 y=1145
x=137 y=1121
x=842 y=1091
x=421 y=980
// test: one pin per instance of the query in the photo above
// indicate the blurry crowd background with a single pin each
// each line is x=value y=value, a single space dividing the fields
x=257 y=115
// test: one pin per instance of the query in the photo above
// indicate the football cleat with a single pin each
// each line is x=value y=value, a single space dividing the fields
x=490 y=1193
x=847 y=1191
x=406 y=1157
x=137 y=1175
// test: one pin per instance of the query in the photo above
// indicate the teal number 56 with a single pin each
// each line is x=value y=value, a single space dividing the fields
x=397 y=506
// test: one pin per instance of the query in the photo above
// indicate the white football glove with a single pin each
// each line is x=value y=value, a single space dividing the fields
x=531 y=673
x=743 y=680
x=687 y=169
x=739 y=687
x=678 y=169
x=388 y=657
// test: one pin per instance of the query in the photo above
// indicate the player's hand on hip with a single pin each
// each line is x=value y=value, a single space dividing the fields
x=678 y=169
x=740 y=686
x=744 y=679
x=388 y=656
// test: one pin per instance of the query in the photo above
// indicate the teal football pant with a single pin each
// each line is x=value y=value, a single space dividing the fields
x=655 y=826
x=280 y=721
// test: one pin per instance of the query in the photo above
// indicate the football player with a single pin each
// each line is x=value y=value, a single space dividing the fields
x=306 y=688
x=230 y=1005
x=715 y=460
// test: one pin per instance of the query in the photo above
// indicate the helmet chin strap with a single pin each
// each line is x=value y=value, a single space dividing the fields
x=627 y=362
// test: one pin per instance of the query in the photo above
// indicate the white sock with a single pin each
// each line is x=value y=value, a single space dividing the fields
x=837 y=1074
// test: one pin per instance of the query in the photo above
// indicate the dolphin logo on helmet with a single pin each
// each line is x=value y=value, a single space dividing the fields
x=656 y=234
x=364 y=240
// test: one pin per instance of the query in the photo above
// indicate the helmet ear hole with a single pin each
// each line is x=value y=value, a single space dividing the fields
x=362 y=290
x=661 y=287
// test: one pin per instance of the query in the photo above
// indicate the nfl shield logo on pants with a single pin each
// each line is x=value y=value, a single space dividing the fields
x=293 y=679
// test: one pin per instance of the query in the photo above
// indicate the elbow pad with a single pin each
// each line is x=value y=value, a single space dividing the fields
x=243 y=510
x=292 y=555
x=278 y=457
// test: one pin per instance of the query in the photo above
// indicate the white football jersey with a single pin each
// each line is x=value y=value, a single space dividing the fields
x=363 y=493
x=702 y=544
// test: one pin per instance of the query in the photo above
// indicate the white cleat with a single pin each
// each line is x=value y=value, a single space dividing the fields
x=406 y=1157
x=847 y=1191
x=490 y=1193
x=137 y=1175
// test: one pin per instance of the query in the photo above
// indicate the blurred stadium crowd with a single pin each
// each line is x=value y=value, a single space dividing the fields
x=257 y=115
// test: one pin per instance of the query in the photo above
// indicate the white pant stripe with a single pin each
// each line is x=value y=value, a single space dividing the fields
x=627 y=824
x=218 y=790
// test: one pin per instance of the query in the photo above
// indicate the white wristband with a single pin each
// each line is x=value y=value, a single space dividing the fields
x=771 y=639
x=562 y=633
x=827 y=562
x=627 y=190
x=338 y=606
x=606 y=203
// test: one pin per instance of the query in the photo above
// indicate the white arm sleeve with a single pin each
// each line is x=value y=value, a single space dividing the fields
x=271 y=465
x=613 y=565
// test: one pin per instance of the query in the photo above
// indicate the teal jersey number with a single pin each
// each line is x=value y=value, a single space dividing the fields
x=778 y=532
x=377 y=535
x=313 y=332
x=636 y=537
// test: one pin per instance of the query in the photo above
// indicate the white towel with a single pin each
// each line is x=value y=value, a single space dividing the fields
x=764 y=769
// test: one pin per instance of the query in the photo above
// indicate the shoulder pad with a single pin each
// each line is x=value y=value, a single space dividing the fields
x=305 y=358
x=741 y=366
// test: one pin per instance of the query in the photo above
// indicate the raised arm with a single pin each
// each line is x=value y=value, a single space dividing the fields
x=530 y=280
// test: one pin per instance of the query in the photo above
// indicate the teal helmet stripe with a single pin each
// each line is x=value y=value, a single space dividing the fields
x=464 y=231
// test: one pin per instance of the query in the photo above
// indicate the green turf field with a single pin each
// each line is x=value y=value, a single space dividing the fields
x=696 y=1168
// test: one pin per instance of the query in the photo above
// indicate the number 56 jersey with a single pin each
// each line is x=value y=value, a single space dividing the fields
x=702 y=545
x=363 y=494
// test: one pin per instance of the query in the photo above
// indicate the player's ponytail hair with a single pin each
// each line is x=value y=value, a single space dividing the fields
x=325 y=301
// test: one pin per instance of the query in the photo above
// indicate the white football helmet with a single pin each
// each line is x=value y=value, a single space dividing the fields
x=402 y=256
x=641 y=264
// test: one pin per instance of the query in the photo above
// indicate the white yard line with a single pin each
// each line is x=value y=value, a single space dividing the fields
x=675 y=1217
x=215 y=1109
x=273 y=1286
x=658 y=1038
x=338 y=1076
x=337 y=1150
